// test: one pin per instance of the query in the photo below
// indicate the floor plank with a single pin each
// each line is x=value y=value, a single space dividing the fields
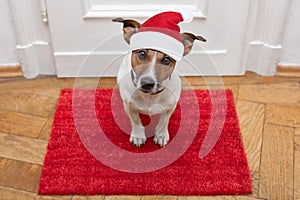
x=46 y=130
x=251 y=118
x=19 y=175
x=12 y=194
x=201 y=198
x=239 y=198
x=255 y=177
x=234 y=197
x=33 y=102
x=286 y=93
x=96 y=197
x=297 y=165
x=169 y=198
x=283 y=115
x=148 y=197
x=277 y=163
x=21 y=124
x=22 y=148
x=233 y=88
x=43 y=82
x=124 y=197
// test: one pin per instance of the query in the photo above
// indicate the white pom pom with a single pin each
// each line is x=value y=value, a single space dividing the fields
x=187 y=14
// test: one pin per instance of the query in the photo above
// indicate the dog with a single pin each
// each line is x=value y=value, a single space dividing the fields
x=149 y=84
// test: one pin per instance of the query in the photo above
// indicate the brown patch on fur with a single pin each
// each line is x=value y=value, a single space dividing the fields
x=140 y=66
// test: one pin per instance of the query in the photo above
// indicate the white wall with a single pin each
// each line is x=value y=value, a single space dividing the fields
x=290 y=55
x=8 y=54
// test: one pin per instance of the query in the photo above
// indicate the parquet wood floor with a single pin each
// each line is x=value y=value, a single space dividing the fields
x=268 y=110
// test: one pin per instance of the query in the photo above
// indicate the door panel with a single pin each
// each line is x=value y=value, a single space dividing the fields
x=86 y=43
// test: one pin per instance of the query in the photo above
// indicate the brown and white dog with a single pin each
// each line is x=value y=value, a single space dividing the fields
x=149 y=84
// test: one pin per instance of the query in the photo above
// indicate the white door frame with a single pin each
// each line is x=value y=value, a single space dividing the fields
x=263 y=36
x=33 y=38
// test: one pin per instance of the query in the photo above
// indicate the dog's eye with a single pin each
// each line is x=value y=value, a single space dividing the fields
x=166 y=61
x=142 y=54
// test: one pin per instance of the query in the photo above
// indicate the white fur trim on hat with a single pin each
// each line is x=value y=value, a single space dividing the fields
x=157 y=41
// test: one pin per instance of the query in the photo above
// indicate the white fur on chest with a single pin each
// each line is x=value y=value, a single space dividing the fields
x=150 y=104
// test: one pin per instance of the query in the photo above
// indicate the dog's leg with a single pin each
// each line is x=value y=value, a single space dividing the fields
x=137 y=136
x=161 y=131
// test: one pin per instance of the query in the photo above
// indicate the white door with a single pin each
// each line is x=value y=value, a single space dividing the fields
x=86 y=42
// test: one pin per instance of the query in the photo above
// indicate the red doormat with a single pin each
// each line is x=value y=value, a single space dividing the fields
x=89 y=150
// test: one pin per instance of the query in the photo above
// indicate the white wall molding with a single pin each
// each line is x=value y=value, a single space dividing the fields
x=104 y=9
x=33 y=40
x=266 y=23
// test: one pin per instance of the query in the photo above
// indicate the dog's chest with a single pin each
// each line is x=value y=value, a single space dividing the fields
x=150 y=104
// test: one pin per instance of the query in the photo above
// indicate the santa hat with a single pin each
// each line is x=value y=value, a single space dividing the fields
x=162 y=33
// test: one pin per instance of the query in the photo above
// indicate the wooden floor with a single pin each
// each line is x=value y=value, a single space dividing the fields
x=268 y=109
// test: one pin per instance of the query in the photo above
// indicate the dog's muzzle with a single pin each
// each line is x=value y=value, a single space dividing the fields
x=147 y=84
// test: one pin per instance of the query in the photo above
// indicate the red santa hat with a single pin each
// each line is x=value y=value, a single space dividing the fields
x=162 y=33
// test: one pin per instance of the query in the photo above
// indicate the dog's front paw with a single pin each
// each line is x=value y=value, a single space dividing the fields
x=137 y=141
x=161 y=139
x=138 y=137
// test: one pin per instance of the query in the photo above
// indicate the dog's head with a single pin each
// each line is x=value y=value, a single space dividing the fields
x=151 y=67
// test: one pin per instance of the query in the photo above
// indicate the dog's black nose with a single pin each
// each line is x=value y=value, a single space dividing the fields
x=147 y=84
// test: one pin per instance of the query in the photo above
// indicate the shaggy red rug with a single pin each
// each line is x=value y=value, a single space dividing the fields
x=89 y=150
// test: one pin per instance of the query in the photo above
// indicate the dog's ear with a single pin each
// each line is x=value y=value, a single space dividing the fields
x=188 y=40
x=130 y=27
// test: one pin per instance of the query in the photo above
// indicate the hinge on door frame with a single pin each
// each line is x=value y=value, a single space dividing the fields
x=43 y=8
